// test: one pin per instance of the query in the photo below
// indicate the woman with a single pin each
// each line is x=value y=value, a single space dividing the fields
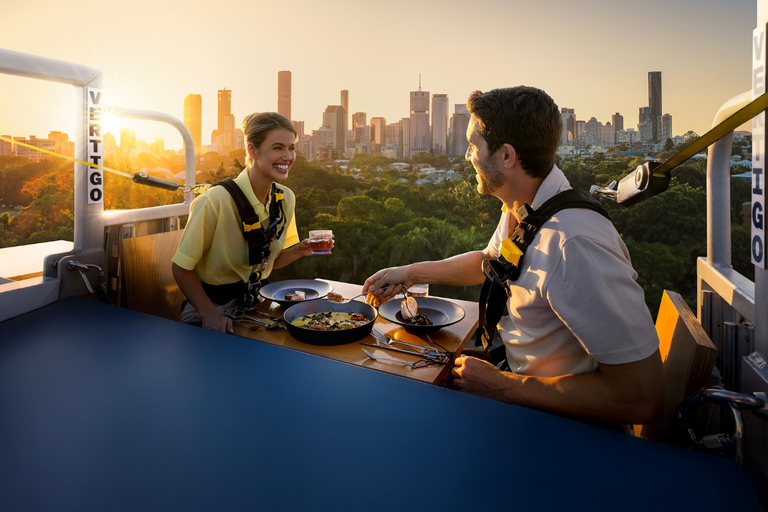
x=211 y=265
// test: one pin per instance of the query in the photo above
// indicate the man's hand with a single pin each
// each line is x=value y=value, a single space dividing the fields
x=477 y=377
x=385 y=284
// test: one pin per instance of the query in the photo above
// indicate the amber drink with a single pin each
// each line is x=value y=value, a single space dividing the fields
x=418 y=290
x=321 y=241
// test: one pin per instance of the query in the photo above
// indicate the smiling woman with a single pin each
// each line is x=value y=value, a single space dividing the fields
x=239 y=232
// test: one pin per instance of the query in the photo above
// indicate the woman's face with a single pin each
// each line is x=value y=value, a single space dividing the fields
x=274 y=158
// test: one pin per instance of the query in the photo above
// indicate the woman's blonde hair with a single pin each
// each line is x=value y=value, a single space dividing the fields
x=256 y=128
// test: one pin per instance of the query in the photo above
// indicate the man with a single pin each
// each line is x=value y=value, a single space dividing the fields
x=579 y=339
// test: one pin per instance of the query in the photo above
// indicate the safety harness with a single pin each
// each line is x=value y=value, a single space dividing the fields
x=498 y=272
x=258 y=239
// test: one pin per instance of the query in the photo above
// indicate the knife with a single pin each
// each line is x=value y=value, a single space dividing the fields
x=404 y=351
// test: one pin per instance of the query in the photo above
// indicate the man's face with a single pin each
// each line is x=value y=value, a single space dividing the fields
x=488 y=175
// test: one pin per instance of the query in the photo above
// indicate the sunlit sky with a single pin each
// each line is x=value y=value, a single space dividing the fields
x=593 y=56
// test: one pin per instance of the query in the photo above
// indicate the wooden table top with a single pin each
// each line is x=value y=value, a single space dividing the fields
x=453 y=338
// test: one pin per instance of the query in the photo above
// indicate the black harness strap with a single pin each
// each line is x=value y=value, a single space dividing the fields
x=257 y=237
x=493 y=297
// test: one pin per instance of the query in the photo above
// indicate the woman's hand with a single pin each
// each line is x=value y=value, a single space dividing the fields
x=217 y=322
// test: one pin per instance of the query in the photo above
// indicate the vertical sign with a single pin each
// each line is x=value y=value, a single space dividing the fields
x=95 y=146
x=757 y=245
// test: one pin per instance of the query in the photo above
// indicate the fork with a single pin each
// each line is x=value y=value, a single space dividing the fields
x=427 y=351
x=421 y=363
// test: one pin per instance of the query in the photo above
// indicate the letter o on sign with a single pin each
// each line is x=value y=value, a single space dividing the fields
x=95 y=195
x=757 y=249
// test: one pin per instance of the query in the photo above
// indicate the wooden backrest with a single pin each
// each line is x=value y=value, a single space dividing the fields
x=688 y=356
x=145 y=270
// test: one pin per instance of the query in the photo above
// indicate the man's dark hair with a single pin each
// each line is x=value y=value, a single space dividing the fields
x=524 y=117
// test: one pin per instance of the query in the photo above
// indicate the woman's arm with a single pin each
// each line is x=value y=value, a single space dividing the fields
x=192 y=288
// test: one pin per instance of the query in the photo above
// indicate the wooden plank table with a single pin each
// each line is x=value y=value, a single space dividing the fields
x=453 y=338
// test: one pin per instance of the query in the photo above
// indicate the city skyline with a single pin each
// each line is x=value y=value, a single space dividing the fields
x=705 y=61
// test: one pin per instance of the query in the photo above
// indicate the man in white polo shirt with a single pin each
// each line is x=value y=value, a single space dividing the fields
x=579 y=338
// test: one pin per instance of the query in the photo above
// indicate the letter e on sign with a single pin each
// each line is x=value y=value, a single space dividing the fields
x=95 y=140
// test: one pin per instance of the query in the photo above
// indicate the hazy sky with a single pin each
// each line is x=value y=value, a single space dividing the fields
x=592 y=56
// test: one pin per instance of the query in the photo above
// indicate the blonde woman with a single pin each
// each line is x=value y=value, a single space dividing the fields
x=214 y=261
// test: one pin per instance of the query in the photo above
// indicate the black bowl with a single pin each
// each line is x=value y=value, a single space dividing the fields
x=277 y=291
x=343 y=337
x=440 y=312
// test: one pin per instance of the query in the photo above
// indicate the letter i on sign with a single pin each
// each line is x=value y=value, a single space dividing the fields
x=94 y=143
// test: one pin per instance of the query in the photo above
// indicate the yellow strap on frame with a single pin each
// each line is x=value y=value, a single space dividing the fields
x=196 y=188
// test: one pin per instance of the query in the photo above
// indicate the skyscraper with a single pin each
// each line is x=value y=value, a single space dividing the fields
x=378 y=134
x=224 y=134
x=459 y=124
x=193 y=114
x=618 y=122
x=654 y=101
x=440 y=124
x=225 y=108
x=335 y=118
x=284 y=93
x=665 y=128
x=405 y=137
x=345 y=104
x=568 y=116
x=419 y=125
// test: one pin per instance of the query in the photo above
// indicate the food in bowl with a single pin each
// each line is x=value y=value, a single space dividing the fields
x=409 y=310
x=331 y=321
x=298 y=295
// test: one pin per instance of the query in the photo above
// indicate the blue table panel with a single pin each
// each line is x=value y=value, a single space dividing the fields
x=102 y=408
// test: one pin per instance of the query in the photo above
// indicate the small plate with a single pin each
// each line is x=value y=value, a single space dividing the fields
x=441 y=312
x=277 y=291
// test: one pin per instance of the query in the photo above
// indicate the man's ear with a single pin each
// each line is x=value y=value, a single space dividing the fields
x=508 y=155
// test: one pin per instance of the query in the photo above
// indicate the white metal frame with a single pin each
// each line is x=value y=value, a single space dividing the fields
x=90 y=219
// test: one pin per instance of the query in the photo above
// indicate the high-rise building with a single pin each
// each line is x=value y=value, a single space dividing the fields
x=439 y=124
x=618 y=122
x=459 y=125
x=378 y=134
x=299 y=125
x=568 y=116
x=335 y=118
x=225 y=108
x=64 y=146
x=654 y=101
x=193 y=116
x=594 y=132
x=665 y=128
x=127 y=139
x=609 y=134
x=284 y=93
x=644 y=124
x=580 y=133
x=405 y=137
x=419 y=125
x=359 y=119
x=345 y=104
x=224 y=134
x=322 y=139
x=393 y=134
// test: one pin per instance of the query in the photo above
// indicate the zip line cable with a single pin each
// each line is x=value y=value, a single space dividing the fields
x=139 y=177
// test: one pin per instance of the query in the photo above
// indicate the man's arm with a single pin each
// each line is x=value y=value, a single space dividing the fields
x=460 y=270
x=630 y=393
